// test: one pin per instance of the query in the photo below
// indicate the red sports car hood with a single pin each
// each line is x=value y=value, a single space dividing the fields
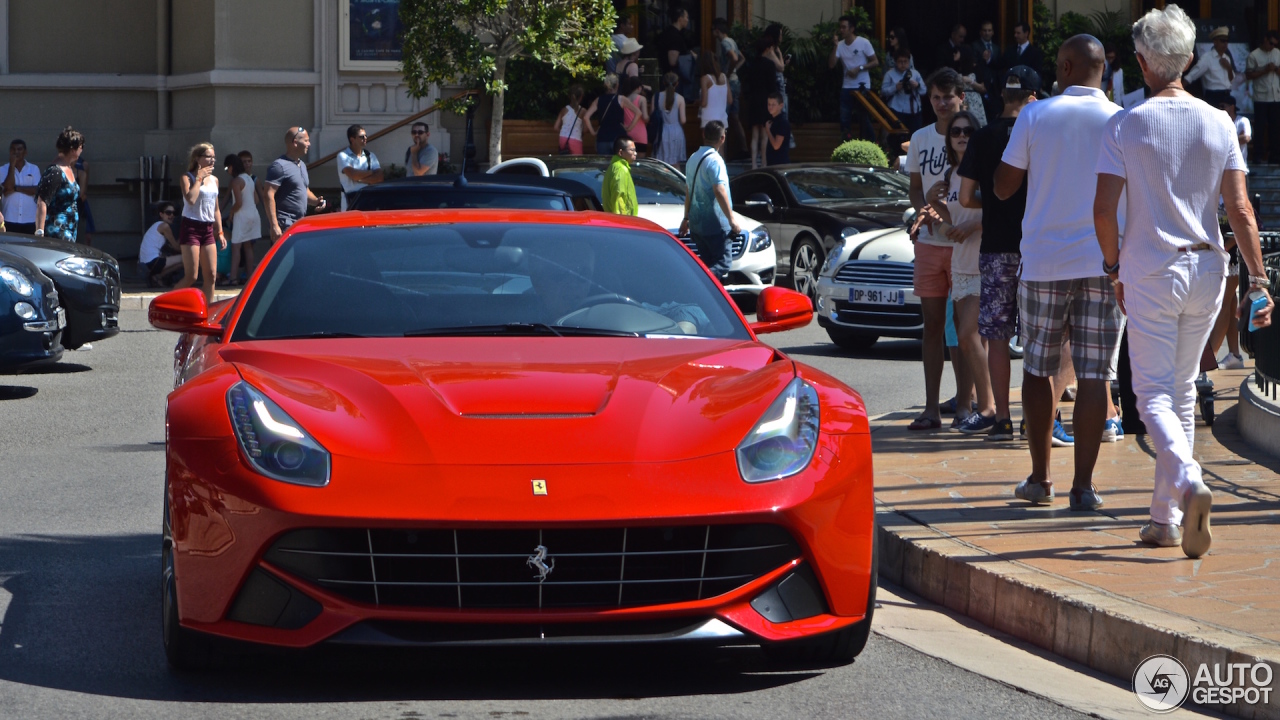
x=519 y=400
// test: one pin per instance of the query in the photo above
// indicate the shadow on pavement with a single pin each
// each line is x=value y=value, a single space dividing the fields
x=17 y=392
x=882 y=350
x=84 y=615
x=59 y=368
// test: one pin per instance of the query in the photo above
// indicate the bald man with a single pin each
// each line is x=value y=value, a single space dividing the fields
x=1064 y=293
x=288 y=191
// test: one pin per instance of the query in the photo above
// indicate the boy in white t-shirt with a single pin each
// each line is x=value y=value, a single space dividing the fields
x=855 y=56
x=927 y=164
x=1244 y=131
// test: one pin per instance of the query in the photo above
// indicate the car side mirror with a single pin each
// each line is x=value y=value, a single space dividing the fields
x=183 y=311
x=760 y=200
x=780 y=309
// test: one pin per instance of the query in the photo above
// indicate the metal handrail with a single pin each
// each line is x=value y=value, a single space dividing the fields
x=880 y=113
x=1264 y=344
x=396 y=126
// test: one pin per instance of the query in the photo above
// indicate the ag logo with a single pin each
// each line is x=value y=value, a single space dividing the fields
x=1161 y=683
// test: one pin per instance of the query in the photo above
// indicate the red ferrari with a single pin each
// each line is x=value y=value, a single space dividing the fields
x=449 y=428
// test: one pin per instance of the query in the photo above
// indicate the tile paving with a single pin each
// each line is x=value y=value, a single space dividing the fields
x=963 y=487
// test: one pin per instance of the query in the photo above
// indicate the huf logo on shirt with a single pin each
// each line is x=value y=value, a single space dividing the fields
x=933 y=161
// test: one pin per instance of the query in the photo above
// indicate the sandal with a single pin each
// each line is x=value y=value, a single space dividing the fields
x=925 y=423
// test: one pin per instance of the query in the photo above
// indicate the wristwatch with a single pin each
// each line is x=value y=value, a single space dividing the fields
x=39 y=232
x=1259 y=281
x=1108 y=269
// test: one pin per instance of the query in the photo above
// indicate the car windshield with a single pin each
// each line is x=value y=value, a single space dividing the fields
x=484 y=279
x=655 y=185
x=818 y=185
x=431 y=198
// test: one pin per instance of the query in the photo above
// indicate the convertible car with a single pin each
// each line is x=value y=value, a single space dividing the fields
x=486 y=427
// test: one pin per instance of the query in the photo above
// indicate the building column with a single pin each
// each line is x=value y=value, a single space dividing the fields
x=164 y=27
x=4 y=37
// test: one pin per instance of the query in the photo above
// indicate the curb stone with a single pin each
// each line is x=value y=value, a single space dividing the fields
x=1102 y=631
x=1259 y=421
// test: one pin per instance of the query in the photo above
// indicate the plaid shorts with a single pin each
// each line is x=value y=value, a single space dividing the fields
x=998 y=306
x=1083 y=310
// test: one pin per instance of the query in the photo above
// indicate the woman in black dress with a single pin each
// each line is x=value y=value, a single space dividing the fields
x=609 y=110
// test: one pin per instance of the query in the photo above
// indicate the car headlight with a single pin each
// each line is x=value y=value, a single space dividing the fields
x=82 y=266
x=24 y=310
x=16 y=280
x=848 y=232
x=760 y=239
x=783 y=442
x=833 y=258
x=274 y=443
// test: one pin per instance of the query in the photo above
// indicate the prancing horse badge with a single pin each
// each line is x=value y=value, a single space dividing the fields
x=539 y=487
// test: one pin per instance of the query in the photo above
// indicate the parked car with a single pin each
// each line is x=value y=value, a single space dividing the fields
x=381 y=442
x=660 y=192
x=31 y=320
x=866 y=290
x=480 y=191
x=809 y=208
x=87 y=280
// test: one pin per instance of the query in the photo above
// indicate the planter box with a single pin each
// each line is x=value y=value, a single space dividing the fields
x=528 y=137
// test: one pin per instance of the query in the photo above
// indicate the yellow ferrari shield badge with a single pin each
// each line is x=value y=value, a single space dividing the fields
x=539 y=487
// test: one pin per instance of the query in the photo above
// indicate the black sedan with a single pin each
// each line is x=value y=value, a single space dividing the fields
x=87 y=280
x=809 y=208
x=481 y=191
x=31 y=320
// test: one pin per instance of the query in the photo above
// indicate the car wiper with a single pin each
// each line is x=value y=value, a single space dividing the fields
x=518 y=329
x=319 y=334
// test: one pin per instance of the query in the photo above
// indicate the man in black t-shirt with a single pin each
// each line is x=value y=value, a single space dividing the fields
x=777 y=151
x=1000 y=257
x=672 y=43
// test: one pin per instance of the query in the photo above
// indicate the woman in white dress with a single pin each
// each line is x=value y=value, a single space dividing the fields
x=671 y=149
x=716 y=97
x=246 y=224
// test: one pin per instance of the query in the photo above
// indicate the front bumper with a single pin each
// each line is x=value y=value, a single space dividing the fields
x=227 y=519
x=92 y=305
x=35 y=342
x=750 y=273
x=834 y=310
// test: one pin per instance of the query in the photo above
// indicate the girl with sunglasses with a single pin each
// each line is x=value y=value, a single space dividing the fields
x=963 y=226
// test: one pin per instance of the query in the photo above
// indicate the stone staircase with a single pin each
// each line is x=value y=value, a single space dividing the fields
x=1264 y=182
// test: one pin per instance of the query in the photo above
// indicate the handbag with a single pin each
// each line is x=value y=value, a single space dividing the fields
x=564 y=141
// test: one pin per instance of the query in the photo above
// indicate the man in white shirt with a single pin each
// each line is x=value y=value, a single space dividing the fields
x=855 y=56
x=1263 y=69
x=927 y=165
x=1216 y=67
x=357 y=167
x=20 y=179
x=1244 y=132
x=1063 y=293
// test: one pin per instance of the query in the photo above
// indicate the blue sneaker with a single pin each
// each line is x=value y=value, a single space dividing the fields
x=1113 y=431
x=976 y=423
x=1060 y=436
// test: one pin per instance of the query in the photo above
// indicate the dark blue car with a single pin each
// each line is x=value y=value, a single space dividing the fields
x=31 y=319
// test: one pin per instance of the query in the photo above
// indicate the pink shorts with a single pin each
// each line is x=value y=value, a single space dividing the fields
x=932 y=275
x=574 y=146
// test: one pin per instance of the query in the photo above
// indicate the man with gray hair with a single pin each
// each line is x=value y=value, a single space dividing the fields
x=1169 y=274
x=288 y=186
x=708 y=211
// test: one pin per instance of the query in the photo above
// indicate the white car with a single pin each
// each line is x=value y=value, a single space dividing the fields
x=660 y=191
x=866 y=290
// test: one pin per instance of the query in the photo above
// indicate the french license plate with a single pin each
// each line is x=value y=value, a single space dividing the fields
x=877 y=295
x=61 y=319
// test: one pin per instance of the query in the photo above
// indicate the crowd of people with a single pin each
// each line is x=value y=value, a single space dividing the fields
x=1019 y=226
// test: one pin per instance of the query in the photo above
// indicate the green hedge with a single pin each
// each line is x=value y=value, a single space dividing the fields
x=861 y=152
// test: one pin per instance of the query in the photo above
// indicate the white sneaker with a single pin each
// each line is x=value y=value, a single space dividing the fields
x=85 y=347
x=1232 y=362
x=1196 y=534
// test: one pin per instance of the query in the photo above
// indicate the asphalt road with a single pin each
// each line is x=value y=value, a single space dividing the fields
x=81 y=451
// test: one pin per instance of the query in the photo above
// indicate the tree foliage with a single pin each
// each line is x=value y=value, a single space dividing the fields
x=471 y=42
x=1111 y=27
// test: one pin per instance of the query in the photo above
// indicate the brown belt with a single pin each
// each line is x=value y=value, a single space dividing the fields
x=1196 y=248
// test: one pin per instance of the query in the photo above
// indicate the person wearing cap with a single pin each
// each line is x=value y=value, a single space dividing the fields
x=1000 y=254
x=1216 y=67
x=1063 y=292
x=1170 y=270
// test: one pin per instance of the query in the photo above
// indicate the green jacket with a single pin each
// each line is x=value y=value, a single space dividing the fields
x=618 y=191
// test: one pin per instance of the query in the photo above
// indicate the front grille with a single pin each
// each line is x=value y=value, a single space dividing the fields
x=889 y=317
x=739 y=245
x=868 y=272
x=598 y=567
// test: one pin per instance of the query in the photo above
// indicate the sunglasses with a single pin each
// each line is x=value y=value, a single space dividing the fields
x=166 y=212
x=361 y=137
x=959 y=131
x=416 y=132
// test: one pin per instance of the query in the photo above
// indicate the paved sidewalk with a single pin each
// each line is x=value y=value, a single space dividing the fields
x=1079 y=583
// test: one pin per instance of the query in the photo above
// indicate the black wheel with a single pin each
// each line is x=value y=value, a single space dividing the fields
x=849 y=340
x=185 y=649
x=1206 y=410
x=806 y=261
x=837 y=648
